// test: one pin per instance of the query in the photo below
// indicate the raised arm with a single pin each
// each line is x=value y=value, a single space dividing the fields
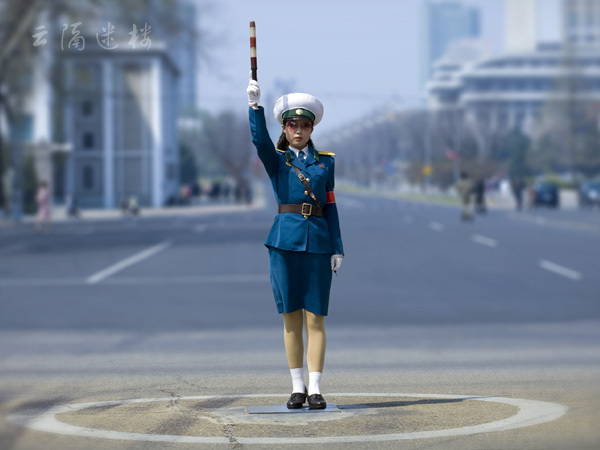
x=258 y=128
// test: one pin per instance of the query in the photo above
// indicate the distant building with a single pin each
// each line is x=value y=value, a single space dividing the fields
x=120 y=114
x=183 y=50
x=445 y=86
x=110 y=130
x=520 y=25
x=511 y=90
x=442 y=23
x=581 y=22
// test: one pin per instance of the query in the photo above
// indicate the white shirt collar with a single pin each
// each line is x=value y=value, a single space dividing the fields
x=296 y=151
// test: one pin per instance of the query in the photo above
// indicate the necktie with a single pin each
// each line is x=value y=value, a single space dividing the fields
x=301 y=155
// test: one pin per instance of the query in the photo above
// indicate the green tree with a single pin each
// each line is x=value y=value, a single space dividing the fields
x=570 y=138
x=188 y=171
x=516 y=145
x=227 y=137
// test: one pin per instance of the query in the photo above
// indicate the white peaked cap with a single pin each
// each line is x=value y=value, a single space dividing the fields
x=298 y=101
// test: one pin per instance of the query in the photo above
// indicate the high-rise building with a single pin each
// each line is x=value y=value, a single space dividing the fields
x=521 y=25
x=444 y=22
x=183 y=51
x=581 y=22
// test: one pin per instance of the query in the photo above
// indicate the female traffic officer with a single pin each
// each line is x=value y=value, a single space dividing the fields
x=304 y=243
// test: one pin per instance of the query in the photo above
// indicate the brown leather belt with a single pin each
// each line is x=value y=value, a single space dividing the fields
x=306 y=209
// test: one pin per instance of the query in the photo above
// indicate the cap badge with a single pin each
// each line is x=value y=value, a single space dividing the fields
x=299 y=111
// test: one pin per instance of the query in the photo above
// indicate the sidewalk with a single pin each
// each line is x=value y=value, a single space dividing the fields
x=494 y=200
x=59 y=214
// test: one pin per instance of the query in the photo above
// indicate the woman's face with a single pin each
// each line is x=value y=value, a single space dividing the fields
x=297 y=132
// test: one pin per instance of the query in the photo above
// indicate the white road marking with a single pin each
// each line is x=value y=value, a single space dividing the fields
x=92 y=279
x=484 y=240
x=436 y=226
x=560 y=270
x=531 y=412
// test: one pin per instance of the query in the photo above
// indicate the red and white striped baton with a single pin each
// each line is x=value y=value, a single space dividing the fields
x=253 y=50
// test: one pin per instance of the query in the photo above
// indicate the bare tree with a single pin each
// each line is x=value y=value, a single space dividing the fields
x=227 y=136
x=570 y=139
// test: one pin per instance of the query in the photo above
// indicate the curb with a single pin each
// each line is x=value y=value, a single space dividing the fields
x=59 y=215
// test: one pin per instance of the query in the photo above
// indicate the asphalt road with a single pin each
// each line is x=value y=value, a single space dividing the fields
x=506 y=306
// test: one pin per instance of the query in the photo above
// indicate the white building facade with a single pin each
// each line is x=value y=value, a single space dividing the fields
x=120 y=114
x=510 y=91
x=581 y=22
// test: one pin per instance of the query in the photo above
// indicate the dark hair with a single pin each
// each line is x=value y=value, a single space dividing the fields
x=283 y=143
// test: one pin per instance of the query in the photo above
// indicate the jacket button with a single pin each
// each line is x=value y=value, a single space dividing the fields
x=305 y=192
x=308 y=179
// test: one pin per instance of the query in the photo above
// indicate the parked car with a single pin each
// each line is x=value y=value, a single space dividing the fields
x=546 y=193
x=589 y=194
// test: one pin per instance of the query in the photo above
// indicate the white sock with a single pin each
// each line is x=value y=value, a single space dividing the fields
x=314 y=383
x=297 y=380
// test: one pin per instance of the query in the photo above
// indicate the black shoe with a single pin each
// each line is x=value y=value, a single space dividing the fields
x=316 y=401
x=296 y=400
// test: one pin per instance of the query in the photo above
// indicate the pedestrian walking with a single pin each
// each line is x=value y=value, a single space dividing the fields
x=517 y=186
x=304 y=243
x=479 y=192
x=465 y=191
x=43 y=219
x=133 y=206
x=71 y=205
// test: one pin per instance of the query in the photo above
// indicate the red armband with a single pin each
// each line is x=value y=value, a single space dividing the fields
x=330 y=197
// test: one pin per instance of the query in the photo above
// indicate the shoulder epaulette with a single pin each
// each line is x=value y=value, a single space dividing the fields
x=326 y=153
x=280 y=151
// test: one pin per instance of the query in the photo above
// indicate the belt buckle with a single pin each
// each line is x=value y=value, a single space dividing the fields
x=303 y=209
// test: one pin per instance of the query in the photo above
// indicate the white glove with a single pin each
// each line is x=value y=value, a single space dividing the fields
x=253 y=91
x=336 y=262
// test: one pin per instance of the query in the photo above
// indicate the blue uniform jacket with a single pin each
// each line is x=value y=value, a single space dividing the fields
x=292 y=231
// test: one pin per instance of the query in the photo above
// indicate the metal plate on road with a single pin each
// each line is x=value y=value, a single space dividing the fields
x=282 y=409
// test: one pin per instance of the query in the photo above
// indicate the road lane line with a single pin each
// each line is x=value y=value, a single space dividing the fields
x=560 y=270
x=477 y=238
x=436 y=226
x=127 y=262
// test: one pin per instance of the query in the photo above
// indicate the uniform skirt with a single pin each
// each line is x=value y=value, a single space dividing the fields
x=300 y=280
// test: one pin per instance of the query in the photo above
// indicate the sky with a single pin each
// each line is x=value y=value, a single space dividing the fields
x=357 y=57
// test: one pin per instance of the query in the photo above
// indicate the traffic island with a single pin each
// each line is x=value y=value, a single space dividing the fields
x=225 y=419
